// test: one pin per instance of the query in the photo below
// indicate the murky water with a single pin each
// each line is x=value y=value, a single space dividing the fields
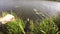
x=27 y=7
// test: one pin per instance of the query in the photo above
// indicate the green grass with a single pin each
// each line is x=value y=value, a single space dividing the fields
x=15 y=27
x=45 y=26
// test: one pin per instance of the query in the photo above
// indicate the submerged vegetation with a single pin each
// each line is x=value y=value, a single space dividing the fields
x=20 y=26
